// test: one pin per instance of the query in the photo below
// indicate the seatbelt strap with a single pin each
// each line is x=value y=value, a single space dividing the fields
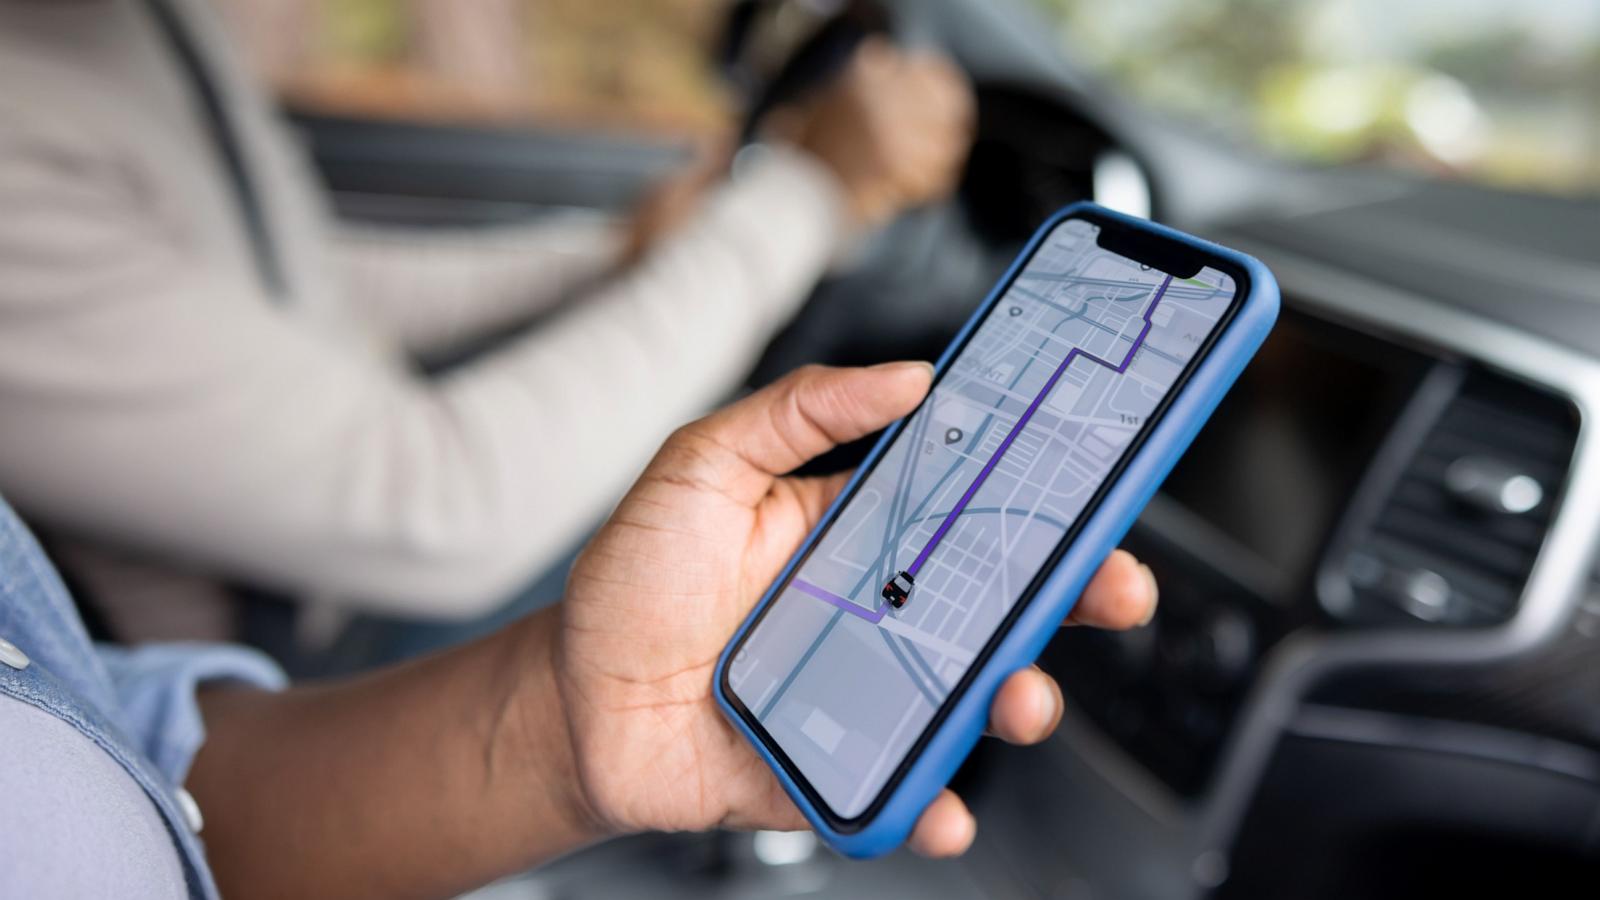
x=225 y=142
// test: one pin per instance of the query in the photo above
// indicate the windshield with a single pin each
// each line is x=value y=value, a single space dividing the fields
x=1506 y=94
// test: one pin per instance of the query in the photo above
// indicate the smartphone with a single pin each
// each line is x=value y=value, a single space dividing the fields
x=865 y=674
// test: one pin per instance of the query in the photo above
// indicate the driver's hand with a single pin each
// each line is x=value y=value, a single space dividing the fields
x=895 y=127
x=670 y=202
x=688 y=552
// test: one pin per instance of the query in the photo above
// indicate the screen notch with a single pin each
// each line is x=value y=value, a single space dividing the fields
x=1149 y=250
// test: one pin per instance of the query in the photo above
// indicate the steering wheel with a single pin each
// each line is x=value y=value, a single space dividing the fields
x=774 y=52
x=916 y=282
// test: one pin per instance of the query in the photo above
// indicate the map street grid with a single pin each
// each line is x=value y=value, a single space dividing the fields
x=970 y=500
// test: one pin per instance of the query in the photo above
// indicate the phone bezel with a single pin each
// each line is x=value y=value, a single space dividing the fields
x=1165 y=254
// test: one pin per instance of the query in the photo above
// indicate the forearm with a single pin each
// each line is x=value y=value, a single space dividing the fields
x=419 y=781
x=431 y=290
x=447 y=496
x=169 y=409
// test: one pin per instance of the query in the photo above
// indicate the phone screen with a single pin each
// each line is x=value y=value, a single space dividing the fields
x=900 y=599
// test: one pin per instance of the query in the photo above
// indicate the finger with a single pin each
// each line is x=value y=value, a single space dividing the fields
x=946 y=828
x=875 y=59
x=945 y=86
x=1027 y=708
x=811 y=411
x=1121 y=595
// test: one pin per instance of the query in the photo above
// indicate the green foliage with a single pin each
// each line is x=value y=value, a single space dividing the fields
x=364 y=30
x=1493 y=93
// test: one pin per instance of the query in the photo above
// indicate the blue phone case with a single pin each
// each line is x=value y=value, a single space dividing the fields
x=1041 y=615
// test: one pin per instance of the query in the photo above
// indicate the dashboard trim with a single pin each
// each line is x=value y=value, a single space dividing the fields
x=1482 y=742
x=1556 y=584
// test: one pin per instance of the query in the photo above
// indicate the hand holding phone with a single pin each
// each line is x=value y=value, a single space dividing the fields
x=865 y=675
x=651 y=602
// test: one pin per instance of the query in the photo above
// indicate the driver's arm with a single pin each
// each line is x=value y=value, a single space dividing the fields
x=161 y=403
x=433 y=289
x=889 y=133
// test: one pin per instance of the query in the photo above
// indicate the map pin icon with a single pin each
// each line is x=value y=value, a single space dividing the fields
x=951 y=435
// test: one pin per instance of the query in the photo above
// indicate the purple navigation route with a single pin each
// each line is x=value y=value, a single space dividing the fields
x=825 y=595
x=1022 y=422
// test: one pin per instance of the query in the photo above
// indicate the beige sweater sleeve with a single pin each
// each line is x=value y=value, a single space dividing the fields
x=432 y=289
x=152 y=400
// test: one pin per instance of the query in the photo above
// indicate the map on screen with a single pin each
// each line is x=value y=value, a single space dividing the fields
x=894 y=603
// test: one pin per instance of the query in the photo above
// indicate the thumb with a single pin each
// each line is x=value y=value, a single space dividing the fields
x=812 y=410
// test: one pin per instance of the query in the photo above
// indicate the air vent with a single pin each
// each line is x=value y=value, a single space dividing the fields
x=1453 y=541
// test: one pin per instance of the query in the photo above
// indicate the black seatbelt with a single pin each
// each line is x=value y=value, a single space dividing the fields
x=226 y=144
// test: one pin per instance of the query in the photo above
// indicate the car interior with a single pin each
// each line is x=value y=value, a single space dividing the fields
x=1376 y=668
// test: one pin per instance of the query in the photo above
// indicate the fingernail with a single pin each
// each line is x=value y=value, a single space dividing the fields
x=1052 y=708
x=1155 y=594
x=926 y=367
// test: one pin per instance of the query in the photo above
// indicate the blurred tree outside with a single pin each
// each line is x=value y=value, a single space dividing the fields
x=1503 y=93
x=627 y=65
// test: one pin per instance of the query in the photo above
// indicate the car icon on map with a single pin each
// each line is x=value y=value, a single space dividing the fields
x=898 y=589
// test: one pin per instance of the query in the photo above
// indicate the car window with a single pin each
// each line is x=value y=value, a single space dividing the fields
x=1501 y=93
x=615 y=65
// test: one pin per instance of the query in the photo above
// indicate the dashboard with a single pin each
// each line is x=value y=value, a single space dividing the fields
x=1380 y=620
x=1347 y=482
x=1377 y=641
